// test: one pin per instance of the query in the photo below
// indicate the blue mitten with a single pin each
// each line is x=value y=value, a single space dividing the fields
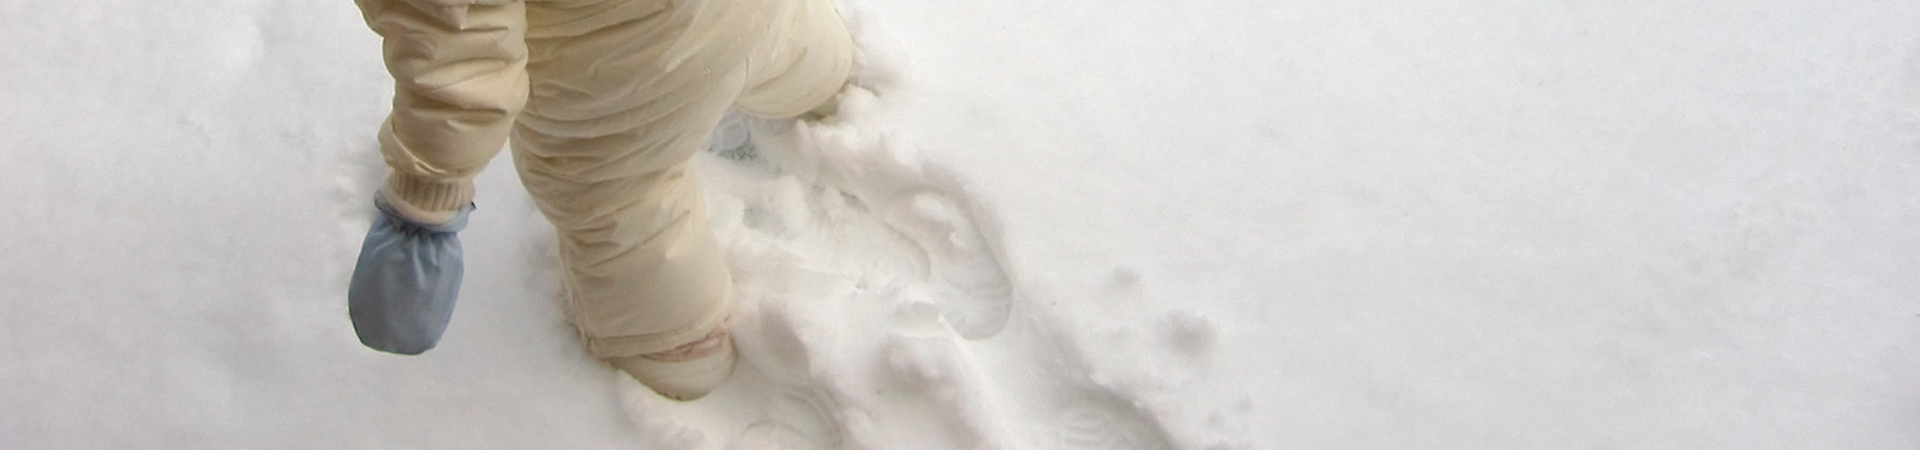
x=403 y=288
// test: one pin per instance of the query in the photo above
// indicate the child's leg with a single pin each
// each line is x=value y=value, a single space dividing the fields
x=623 y=93
x=803 y=65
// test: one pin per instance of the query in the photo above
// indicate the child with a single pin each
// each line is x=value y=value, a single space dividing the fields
x=605 y=102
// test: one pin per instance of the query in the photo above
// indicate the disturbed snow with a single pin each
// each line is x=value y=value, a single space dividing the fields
x=1081 y=225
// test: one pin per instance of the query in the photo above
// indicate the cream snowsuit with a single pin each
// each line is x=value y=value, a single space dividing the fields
x=606 y=101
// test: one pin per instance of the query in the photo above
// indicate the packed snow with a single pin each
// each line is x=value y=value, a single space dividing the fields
x=1033 y=225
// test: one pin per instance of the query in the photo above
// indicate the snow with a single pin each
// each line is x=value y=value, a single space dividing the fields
x=1212 y=225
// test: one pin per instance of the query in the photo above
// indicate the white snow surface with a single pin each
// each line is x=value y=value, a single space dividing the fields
x=1035 y=225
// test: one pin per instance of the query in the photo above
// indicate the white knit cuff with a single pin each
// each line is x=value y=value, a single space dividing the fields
x=425 y=201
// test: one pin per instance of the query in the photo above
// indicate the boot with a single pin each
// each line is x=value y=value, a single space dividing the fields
x=686 y=372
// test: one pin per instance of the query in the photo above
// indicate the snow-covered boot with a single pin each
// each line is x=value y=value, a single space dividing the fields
x=686 y=372
x=733 y=138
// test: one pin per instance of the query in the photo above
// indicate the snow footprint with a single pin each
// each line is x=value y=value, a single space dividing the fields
x=886 y=276
x=797 y=419
x=1098 y=419
x=956 y=258
x=973 y=292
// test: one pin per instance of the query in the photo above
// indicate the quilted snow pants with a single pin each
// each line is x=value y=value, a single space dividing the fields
x=605 y=101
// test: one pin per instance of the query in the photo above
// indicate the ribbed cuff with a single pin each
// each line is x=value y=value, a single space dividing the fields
x=428 y=196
